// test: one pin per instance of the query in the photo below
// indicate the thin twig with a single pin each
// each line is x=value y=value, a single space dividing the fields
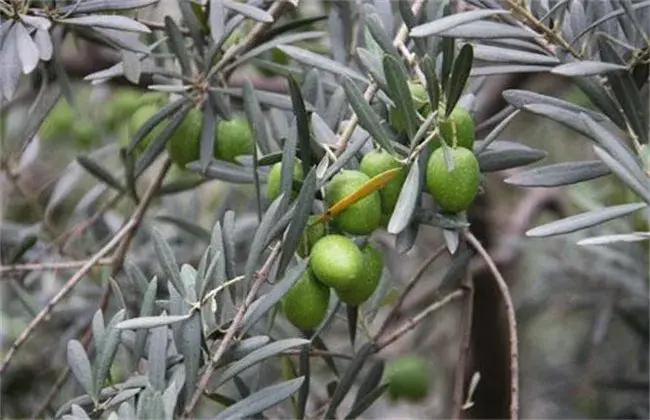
x=320 y=353
x=392 y=315
x=261 y=276
x=464 y=346
x=57 y=265
x=511 y=318
x=276 y=10
x=549 y=33
x=82 y=226
x=413 y=322
x=126 y=230
x=372 y=88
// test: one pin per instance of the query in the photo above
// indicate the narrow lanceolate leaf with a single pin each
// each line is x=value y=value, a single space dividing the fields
x=261 y=400
x=585 y=220
x=378 y=32
x=560 y=115
x=256 y=117
x=406 y=202
x=485 y=29
x=559 y=174
x=272 y=43
x=370 y=381
x=146 y=309
x=299 y=220
x=452 y=21
x=249 y=11
x=624 y=174
x=319 y=61
x=27 y=48
x=106 y=352
x=399 y=92
x=634 y=106
x=144 y=129
x=507 y=69
x=520 y=98
x=257 y=356
x=348 y=378
x=364 y=403
x=156 y=357
x=206 y=149
x=352 y=315
x=373 y=184
x=586 y=68
x=505 y=155
x=98 y=326
x=616 y=148
x=80 y=367
x=224 y=171
x=243 y=348
x=302 y=125
x=504 y=55
x=157 y=145
x=217 y=19
x=168 y=261
x=100 y=173
x=459 y=74
x=151 y=321
x=448 y=48
x=373 y=64
x=368 y=119
x=611 y=239
x=188 y=343
x=121 y=23
x=433 y=88
x=177 y=45
x=259 y=240
x=91 y=6
x=303 y=395
x=274 y=296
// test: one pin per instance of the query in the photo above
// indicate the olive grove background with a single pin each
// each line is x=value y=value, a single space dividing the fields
x=552 y=81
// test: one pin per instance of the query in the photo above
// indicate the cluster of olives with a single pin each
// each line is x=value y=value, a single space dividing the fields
x=454 y=187
x=336 y=263
x=232 y=138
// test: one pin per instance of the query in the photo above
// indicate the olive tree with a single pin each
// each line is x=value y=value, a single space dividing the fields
x=174 y=334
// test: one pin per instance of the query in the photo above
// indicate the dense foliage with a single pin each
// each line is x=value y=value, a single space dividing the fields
x=369 y=132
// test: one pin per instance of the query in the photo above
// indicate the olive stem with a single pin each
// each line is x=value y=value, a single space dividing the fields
x=416 y=278
x=458 y=402
x=58 y=265
x=411 y=323
x=511 y=319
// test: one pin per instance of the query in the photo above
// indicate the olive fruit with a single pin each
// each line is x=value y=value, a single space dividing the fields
x=408 y=379
x=139 y=118
x=305 y=304
x=184 y=145
x=419 y=95
x=274 y=179
x=336 y=261
x=464 y=123
x=234 y=138
x=362 y=217
x=313 y=232
x=453 y=190
x=366 y=284
x=376 y=162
